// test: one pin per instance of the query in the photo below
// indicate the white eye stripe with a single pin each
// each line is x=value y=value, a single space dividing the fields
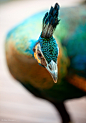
x=38 y=47
x=39 y=50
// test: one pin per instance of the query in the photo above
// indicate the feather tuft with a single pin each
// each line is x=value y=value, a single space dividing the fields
x=50 y=21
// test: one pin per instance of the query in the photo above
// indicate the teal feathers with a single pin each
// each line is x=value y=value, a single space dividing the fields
x=19 y=52
x=48 y=44
x=70 y=35
x=49 y=48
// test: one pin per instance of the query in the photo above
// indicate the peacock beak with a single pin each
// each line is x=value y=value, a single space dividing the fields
x=54 y=76
x=53 y=70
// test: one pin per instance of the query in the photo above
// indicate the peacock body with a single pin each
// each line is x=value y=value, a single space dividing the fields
x=70 y=36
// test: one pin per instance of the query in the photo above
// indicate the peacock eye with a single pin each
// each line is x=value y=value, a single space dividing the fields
x=39 y=54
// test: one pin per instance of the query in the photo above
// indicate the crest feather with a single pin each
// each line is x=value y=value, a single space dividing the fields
x=50 y=21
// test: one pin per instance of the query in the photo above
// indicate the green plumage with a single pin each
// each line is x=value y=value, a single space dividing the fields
x=24 y=40
x=49 y=48
x=70 y=35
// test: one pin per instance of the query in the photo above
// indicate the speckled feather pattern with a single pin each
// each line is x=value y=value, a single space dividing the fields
x=49 y=48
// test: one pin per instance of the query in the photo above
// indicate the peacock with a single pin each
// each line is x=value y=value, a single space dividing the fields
x=46 y=53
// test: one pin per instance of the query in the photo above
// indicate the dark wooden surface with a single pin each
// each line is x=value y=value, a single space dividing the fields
x=17 y=105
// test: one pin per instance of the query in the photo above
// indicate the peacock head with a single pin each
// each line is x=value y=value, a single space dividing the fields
x=46 y=50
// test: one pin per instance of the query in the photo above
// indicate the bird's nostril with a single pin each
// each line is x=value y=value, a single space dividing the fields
x=50 y=67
